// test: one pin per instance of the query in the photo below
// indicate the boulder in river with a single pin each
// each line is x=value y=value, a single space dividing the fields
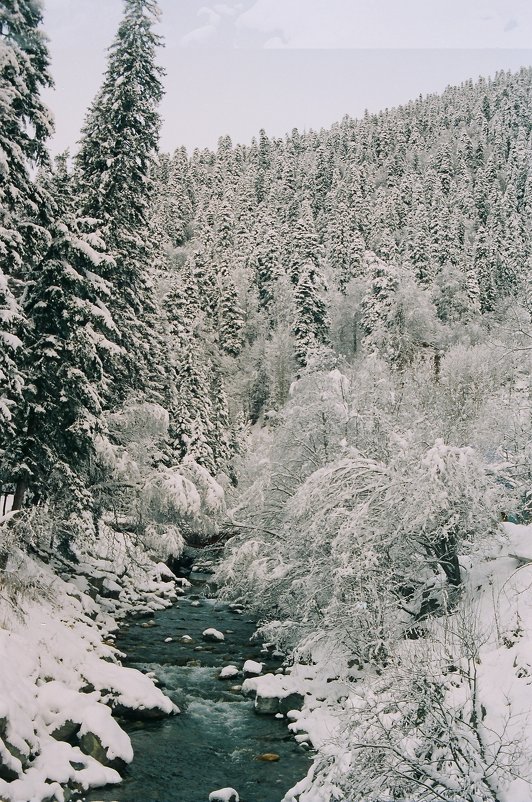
x=266 y=705
x=142 y=713
x=213 y=635
x=251 y=668
x=224 y=795
x=269 y=757
x=228 y=672
x=270 y=705
x=91 y=745
x=273 y=694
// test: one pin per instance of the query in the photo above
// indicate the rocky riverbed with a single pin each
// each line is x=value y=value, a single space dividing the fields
x=218 y=741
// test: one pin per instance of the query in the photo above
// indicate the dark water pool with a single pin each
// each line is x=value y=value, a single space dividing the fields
x=216 y=740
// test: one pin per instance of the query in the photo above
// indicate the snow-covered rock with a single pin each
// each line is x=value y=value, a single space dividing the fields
x=60 y=680
x=251 y=668
x=228 y=672
x=273 y=693
x=213 y=635
x=224 y=795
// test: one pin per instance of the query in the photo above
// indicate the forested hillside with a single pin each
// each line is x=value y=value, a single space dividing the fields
x=274 y=237
x=367 y=291
x=317 y=347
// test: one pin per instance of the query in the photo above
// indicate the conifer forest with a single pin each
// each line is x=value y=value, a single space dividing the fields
x=265 y=447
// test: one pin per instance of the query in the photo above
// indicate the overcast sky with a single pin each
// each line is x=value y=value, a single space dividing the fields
x=234 y=67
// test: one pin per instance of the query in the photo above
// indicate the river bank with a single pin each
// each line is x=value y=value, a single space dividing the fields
x=218 y=740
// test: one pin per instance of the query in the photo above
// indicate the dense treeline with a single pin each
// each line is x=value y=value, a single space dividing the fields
x=275 y=236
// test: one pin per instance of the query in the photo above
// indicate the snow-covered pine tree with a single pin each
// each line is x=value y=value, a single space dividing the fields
x=485 y=264
x=114 y=166
x=384 y=280
x=67 y=332
x=311 y=320
x=344 y=245
x=305 y=245
x=230 y=316
x=222 y=436
x=25 y=124
x=173 y=205
x=191 y=414
x=266 y=261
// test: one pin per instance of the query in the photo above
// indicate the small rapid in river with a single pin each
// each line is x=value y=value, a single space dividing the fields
x=217 y=740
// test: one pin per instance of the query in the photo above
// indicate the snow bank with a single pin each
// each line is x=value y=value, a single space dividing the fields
x=496 y=610
x=269 y=686
x=59 y=673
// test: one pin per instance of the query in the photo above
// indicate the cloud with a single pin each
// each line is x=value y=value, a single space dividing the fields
x=217 y=23
x=213 y=17
x=205 y=33
x=227 y=11
x=389 y=23
x=199 y=36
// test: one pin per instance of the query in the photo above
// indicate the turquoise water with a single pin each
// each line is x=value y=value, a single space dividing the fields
x=216 y=740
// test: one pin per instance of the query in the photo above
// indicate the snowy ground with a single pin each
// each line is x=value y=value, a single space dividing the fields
x=497 y=609
x=59 y=672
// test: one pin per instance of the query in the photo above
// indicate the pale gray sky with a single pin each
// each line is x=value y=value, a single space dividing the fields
x=234 y=67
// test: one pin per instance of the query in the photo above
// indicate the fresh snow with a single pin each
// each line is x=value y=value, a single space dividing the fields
x=497 y=589
x=228 y=671
x=57 y=670
x=252 y=667
x=213 y=634
x=224 y=795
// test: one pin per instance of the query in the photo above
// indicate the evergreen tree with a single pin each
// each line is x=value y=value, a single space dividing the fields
x=51 y=454
x=222 y=436
x=172 y=207
x=484 y=262
x=191 y=413
x=384 y=281
x=115 y=164
x=305 y=246
x=266 y=260
x=190 y=410
x=25 y=124
x=344 y=245
x=230 y=316
x=311 y=320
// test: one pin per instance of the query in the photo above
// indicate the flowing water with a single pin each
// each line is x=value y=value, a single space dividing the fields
x=217 y=739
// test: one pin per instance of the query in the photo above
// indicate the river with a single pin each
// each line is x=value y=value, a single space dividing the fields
x=217 y=740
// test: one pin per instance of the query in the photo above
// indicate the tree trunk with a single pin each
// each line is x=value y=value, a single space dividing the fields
x=446 y=553
x=20 y=492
